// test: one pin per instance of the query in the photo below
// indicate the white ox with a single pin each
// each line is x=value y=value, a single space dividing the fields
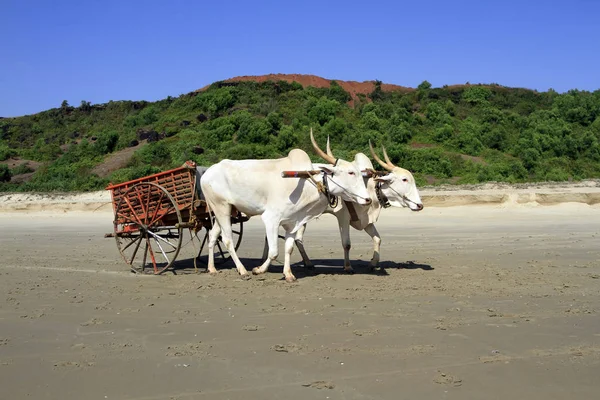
x=397 y=188
x=256 y=187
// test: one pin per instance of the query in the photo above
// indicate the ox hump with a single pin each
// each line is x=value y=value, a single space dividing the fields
x=298 y=156
x=363 y=162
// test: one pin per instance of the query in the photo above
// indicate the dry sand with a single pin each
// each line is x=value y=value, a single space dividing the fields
x=488 y=301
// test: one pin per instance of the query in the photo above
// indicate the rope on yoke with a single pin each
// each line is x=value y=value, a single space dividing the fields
x=383 y=200
x=323 y=187
x=346 y=190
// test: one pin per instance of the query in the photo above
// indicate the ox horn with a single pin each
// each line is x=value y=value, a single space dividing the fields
x=386 y=158
x=320 y=153
x=384 y=165
x=328 y=149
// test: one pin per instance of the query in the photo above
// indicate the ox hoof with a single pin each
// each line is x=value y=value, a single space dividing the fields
x=246 y=276
x=290 y=279
x=211 y=273
x=377 y=269
x=309 y=267
x=349 y=270
x=256 y=271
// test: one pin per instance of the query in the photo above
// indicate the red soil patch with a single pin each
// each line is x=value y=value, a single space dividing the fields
x=352 y=87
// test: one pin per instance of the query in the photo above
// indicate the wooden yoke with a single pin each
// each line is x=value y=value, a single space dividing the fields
x=299 y=174
x=367 y=173
x=321 y=187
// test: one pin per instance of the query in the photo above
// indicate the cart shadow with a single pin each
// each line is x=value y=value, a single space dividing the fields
x=326 y=266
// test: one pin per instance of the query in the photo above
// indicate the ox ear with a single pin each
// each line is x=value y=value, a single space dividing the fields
x=327 y=169
x=384 y=178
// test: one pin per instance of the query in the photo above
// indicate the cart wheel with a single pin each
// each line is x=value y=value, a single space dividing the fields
x=145 y=228
x=221 y=252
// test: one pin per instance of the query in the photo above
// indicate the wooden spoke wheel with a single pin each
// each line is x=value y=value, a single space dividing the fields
x=147 y=228
x=222 y=255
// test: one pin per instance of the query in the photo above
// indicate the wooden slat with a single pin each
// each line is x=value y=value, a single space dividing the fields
x=178 y=182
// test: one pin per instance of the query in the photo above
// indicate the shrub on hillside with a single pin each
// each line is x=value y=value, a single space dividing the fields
x=5 y=173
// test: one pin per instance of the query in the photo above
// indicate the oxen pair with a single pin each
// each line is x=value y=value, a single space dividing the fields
x=256 y=187
x=396 y=188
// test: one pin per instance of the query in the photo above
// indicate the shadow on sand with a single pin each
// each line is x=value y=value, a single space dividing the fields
x=328 y=266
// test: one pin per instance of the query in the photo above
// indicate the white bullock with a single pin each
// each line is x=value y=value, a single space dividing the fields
x=256 y=187
x=396 y=188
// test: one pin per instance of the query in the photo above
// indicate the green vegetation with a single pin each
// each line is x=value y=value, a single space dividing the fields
x=463 y=134
x=5 y=173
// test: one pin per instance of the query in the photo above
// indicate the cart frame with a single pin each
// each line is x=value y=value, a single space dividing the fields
x=152 y=213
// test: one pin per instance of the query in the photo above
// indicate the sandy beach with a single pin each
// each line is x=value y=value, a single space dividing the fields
x=477 y=298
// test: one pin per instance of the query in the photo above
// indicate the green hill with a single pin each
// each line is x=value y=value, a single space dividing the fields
x=456 y=134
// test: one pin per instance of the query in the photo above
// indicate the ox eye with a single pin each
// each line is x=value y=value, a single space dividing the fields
x=404 y=180
x=350 y=173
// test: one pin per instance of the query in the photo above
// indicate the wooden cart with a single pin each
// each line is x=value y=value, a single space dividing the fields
x=152 y=213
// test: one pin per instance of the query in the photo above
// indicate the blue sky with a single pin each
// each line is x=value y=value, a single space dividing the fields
x=146 y=50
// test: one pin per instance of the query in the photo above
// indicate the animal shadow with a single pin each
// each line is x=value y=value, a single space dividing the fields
x=406 y=265
x=321 y=266
x=361 y=267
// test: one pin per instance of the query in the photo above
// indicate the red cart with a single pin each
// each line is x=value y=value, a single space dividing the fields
x=152 y=213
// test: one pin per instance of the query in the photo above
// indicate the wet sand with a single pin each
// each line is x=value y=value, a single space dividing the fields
x=474 y=302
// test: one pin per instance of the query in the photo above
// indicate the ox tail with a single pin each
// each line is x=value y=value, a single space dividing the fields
x=210 y=214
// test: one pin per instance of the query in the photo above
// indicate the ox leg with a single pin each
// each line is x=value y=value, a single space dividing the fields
x=287 y=264
x=272 y=229
x=213 y=235
x=372 y=231
x=345 y=235
x=300 y=244
x=225 y=221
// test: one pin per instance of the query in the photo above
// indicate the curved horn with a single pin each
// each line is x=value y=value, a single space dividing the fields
x=328 y=149
x=320 y=153
x=385 y=156
x=384 y=165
